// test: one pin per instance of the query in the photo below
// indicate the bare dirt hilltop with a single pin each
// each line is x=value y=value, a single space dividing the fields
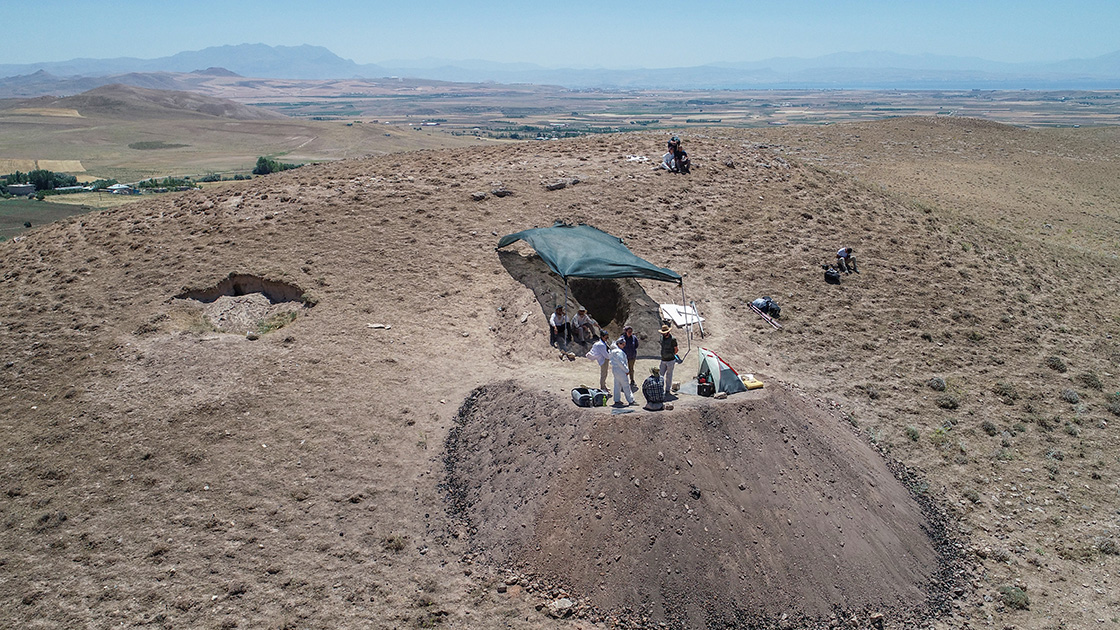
x=322 y=399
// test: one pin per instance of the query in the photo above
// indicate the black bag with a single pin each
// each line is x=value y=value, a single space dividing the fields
x=588 y=397
x=831 y=276
x=768 y=306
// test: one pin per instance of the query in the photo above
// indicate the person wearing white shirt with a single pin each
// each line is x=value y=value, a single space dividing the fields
x=559 y=331
x=584 y=327
x=621 y=370
x=600 y=353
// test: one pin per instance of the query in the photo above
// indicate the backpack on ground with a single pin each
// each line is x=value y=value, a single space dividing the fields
x=831 y=275
x=767 y=305
x=590 y=397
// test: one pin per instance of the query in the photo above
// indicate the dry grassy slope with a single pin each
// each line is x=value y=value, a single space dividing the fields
x=138 y=102
x=199 y=134
x=158 y=475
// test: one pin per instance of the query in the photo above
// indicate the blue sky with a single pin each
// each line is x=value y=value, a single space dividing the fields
x=573 y=33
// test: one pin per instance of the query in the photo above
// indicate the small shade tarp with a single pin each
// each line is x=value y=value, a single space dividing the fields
x=583 y=251
x=720 y=373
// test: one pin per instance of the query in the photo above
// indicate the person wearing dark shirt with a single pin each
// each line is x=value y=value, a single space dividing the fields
x=629 y=344
x=668 y=357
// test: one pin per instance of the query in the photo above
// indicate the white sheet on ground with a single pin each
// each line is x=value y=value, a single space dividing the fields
x=681 y=315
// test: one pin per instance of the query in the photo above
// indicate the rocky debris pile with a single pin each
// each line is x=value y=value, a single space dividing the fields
x=769 y=513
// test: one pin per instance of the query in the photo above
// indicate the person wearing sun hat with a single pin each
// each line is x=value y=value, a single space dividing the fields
x=584 y=327
x=668 y=357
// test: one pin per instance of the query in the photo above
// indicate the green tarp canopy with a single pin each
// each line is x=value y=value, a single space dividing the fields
x=583 y=251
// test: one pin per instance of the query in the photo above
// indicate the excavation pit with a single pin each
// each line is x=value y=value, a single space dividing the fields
x=245 y=303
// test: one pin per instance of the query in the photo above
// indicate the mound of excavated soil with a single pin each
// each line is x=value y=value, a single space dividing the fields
x=734 y=514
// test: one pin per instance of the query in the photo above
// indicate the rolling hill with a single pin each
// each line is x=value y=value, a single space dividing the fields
x=322 y=399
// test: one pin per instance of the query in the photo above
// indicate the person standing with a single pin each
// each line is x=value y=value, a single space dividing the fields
x=600 y=353
x=621 y=375
x=559 y=333
x=629 y=344
x=668 y=357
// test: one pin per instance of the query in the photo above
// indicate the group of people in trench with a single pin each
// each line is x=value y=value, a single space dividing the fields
x=618 y=357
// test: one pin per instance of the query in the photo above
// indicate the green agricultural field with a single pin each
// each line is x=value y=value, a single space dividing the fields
x=16 y=213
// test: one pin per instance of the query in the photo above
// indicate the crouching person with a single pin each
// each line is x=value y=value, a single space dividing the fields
x=846 y=261
x=653 y=388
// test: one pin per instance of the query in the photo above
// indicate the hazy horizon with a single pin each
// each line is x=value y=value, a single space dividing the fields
x=577 y=34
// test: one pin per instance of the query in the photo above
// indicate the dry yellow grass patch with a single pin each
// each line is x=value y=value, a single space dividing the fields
x=11 y=165
x=62 y=166
x=46 y=111
x=8 y=165
x=94 y=199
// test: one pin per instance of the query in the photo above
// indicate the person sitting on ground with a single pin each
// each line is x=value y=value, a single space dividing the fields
x=621 y=376
x=559 y=332
x=601 y=354
x=668 y=357
x=654 y=391
x=629 y=344
x=845 y=261
x=676 y=158
x=584 y=327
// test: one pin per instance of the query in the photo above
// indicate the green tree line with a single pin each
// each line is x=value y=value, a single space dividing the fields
x=42 y=179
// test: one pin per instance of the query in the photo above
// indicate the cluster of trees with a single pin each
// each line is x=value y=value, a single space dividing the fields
x=41 y=178
x=268 y=165
x=215 y=177
x=166 y=182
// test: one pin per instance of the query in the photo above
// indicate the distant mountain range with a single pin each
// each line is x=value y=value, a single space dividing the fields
x=870 y=70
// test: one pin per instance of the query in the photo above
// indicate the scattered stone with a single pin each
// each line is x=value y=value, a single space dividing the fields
x=252 y=335
x=720 y=395
x=478 y=196
x=557 y=185
x=560 y=608
x=501 y=192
